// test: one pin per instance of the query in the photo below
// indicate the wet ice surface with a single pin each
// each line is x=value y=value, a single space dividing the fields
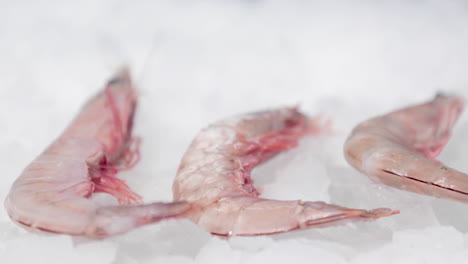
x=210 y=60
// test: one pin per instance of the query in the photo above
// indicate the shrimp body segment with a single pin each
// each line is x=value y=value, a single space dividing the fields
x=52 y=193
x=214 y=175
x=400 y=149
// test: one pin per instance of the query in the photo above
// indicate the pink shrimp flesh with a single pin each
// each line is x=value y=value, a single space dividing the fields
x=400 y=149
x=214 y=174
x=52 y=193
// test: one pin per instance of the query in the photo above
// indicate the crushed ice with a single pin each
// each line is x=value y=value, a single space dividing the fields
x=213 y=59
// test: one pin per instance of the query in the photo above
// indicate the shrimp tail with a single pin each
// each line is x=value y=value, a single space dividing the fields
x=244 y=216
x=114 y=220
x=337 y=215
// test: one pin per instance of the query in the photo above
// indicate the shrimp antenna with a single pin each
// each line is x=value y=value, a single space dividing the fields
x=146 y=62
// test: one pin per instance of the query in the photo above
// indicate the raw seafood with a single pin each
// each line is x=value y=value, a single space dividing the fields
x=214 y=175
x=400 y=149
x=52 y=193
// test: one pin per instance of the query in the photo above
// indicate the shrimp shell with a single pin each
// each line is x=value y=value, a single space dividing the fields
x=400 y=148
x=52 y=193
x=214 y=175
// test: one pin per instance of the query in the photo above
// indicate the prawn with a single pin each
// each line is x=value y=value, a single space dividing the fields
x=214 y=175
x=52 y=193
x=400 y=148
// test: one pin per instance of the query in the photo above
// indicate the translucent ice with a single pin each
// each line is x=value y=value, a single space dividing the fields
x=199 y=61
